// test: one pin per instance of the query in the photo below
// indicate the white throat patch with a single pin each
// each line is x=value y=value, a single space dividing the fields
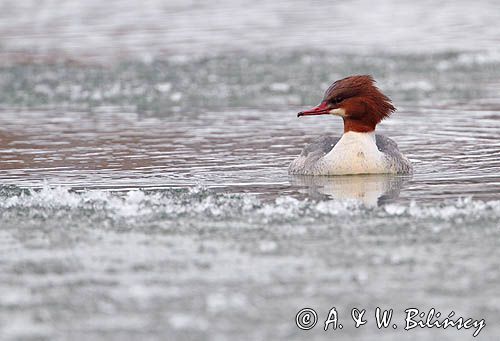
x=338 y=112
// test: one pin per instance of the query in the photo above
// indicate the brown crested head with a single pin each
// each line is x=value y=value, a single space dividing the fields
x=357 y=100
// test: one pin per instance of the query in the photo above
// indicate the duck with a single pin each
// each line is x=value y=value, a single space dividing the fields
x=361 y=105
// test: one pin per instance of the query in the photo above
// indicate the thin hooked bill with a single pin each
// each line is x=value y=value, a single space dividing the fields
x=321 y=109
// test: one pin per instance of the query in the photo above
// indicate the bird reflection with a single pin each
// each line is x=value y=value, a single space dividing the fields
x=372 y=190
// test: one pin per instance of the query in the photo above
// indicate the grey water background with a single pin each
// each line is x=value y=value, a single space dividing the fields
x=143 y=153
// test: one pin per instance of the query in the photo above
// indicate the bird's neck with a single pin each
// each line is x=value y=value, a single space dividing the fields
x=358 y=126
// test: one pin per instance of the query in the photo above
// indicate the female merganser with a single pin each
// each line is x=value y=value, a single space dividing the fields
x=359 y=151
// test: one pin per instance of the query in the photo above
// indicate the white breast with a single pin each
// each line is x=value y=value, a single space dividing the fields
x=355 y=153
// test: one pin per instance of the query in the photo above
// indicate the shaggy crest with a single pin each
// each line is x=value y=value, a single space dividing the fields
x=363 y=89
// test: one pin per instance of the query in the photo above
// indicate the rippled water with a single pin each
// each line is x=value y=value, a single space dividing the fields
x=143 y=166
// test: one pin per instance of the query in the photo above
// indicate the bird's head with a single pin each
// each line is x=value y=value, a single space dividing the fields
x=357 y=100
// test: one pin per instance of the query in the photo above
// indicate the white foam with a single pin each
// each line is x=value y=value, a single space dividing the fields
x=202 y=203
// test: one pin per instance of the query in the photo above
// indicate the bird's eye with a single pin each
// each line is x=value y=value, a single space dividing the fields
x=337 y=100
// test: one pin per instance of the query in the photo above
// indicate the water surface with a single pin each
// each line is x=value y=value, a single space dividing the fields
x=143 y=166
